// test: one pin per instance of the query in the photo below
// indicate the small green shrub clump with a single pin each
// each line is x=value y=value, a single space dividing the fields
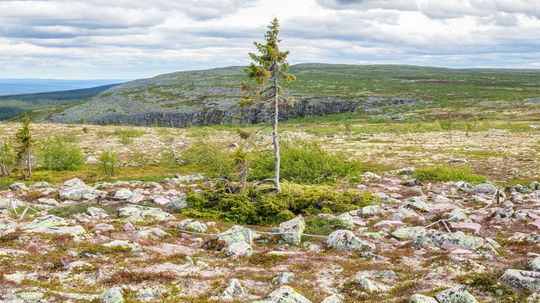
x=323 y=226
x=108 y=163
x=60 y=155
x=7 y=158
x=126 y=136
x=209 y=158
x=442 y=173
x=306 y=162
x=256 y=207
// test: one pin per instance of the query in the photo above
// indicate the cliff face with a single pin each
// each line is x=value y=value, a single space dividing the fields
x=254 y=114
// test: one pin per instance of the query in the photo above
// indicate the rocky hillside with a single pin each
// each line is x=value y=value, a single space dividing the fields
x=212 y=96
x=130 y=242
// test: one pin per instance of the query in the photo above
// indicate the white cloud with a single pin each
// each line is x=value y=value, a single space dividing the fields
x=129 y=39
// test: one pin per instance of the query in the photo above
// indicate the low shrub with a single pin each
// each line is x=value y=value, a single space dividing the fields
x=209 y=158
x=307 y=162
x=256 y=207
x=442 y=173
x=323 y=226
x=108 y=163
x=60 y=155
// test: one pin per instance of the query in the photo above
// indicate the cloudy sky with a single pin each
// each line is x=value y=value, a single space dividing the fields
x=126 y=39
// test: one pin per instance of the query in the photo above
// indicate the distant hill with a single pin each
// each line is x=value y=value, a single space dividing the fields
x=14 y=105
x=32 y=86
x=211 y=96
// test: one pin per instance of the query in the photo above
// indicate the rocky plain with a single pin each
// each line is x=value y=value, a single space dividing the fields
x=83 y=239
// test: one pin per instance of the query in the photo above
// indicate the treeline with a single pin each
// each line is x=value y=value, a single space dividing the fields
x=15 y=105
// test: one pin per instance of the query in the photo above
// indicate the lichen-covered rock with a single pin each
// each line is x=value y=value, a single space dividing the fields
x=44 y=222
x=139 y=213
x=7 y=203
x=368 y=211
x=236 y=233
x=239 y=249
x=112 y=295
x=97 y=212
x=148 y=293
x=75 y=189
x=455 y=295
x=522 y=279
x=417 y=298
x=417 y=203
x=345 y=240
x=535 y=264
x=292 y=230
x=409 y=233
x=334 y=298
x=124 y=244
x=284 y=294
x=346 y=220
x=6 y=228
x=458 y=240
x=368 y=285
x=484 y=188
x=191 y=225
x=233 y=291
x=283 y=278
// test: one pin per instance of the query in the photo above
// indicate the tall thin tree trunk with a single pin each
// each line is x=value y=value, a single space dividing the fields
x=277 y=159
x=29 y=163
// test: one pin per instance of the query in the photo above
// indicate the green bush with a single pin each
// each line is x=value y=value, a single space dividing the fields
x=108 y=163
x=126 y=136
x=305 y=162
x=442 y=173
x=7 y=158
x=323 y=226
x=256 y=207
x=209 y=158
x=60 y=155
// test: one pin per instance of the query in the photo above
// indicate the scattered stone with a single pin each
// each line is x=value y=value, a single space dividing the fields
x=535 y=264
x=75 y=189
x=369 y=285
x=284 y=278
x=368 y=211
x=190 y=225
x=417 y=298
x=18 y=186
x=284 y=294
x=239 y=249
x=466 y=227
x=124 y=244
x=522 y=280
x=44 y=222
x=485 y=188
x=97 y=212
x=371 y=176
x=458 y=239
x=139 y=213
x=178 y=204
x=148 y=293
x=345 y=240
x=455 y=295
x=236 y=233
x=112 y=295
x=334 y=298
x=233 y=291
x=48 y=202
x=292 y=230
x=409 y=233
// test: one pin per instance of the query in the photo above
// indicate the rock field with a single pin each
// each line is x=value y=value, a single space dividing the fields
x=127 y=242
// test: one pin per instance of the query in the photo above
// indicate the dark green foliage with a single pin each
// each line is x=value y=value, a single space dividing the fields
x=7 y=157
x=305 y=161
x=25 y=143
x=256 y=207
x=323 y=226
x=442 y=173
x=59 y=155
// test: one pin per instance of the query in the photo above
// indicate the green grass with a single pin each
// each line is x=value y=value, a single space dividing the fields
x=443 y=173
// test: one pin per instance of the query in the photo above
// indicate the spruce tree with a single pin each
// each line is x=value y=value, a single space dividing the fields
x=24 y=148
x=269 y=68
